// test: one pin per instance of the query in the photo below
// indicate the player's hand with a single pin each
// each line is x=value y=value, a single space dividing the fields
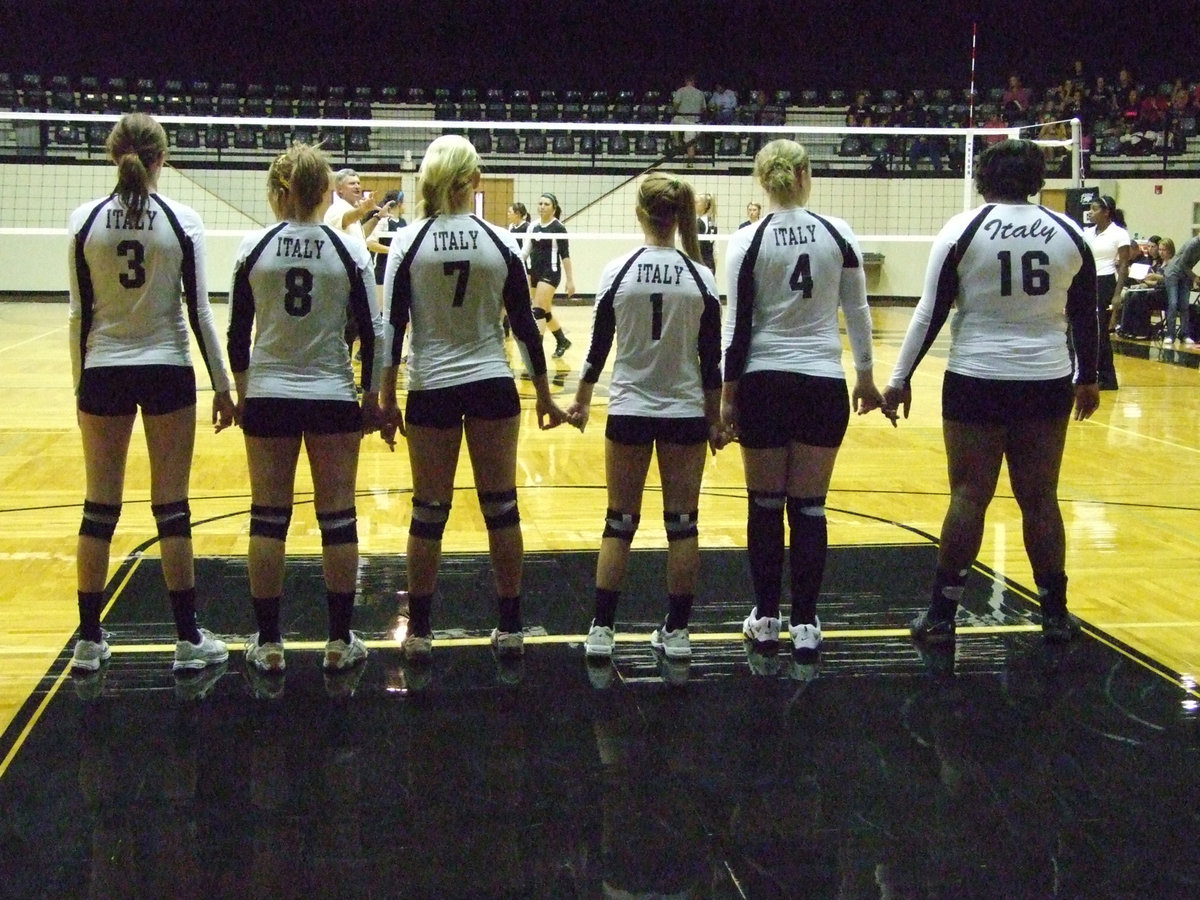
x=896 y=400
x=224 y=412
x=1087 y=401
x=578 y=414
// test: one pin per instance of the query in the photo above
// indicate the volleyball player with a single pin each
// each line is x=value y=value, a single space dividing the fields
x=1110 y=248
x=785 y=393
x=296 y=283
x=661 y=306
x=449 y=274
x=548 y=261
x=706 y=223
x=131 y=252
x=518 y=223
x=1009 y=268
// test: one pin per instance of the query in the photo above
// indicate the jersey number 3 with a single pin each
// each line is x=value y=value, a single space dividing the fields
x=135 y=260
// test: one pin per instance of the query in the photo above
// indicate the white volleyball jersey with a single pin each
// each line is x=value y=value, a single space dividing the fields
x=788 y=274
x=663 y=311
x=1009 y=270
x=297 y=284
x=1106 y=246
x=452 y=276
x=127 y=277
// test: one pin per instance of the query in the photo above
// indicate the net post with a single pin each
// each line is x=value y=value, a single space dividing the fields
x=1076 y=152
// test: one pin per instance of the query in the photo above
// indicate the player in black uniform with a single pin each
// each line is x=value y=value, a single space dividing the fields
x=549 y=260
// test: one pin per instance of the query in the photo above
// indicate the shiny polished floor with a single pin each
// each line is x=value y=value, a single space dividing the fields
x=1004 y=768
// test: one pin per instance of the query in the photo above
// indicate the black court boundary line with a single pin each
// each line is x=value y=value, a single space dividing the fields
x=12 y=737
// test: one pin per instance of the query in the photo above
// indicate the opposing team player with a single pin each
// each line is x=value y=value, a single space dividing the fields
x=1009 y=269
x=131 y=252
x=296 y=283
x=661 y=307
x=785 y=394
x=449 y=274
x=549 y=260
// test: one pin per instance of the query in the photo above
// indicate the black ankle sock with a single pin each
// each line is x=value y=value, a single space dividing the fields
x=510 y=614
x=679 y=611
x=266 y=617
x=341 y=609
x=91 y=604
x=183 y=610
x=808 y=548
x=1052 y=593
x=947 y=593
x=606 y=607
x=419 y=607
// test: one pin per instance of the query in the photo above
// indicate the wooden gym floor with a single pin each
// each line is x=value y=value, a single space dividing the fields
x=1005 y=769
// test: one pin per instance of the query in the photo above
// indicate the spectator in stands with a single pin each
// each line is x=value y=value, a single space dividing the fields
x=1101 y=101
x=722 y=104
x=914 y=114
x=1179 y=279
x=1016 y=93
x=859 y=113
x=1053 y=128
x=688 y=105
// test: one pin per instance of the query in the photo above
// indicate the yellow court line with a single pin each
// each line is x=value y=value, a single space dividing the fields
x=33 y=720
x=620 y=637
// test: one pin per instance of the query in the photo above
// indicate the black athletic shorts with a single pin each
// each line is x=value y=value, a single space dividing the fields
x=491 y=398
x=641 y=430
x=278 y=417
x=779 y=408
x=992 y=401
x=546 y=275
x=120 y=390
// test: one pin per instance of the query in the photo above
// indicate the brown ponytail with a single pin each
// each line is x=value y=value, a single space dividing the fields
x=665 y=203
x=135 y=144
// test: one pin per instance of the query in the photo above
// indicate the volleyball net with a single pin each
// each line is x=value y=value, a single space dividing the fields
x=893 y=185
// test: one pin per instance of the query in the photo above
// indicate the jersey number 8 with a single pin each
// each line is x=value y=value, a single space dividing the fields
x=298 y=299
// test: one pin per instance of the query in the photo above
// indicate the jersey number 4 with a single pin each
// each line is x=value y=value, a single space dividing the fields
x=802 y=279
x=1034 y=281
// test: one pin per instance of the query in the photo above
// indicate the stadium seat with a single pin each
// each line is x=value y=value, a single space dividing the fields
x=572 y=106
x=647 y=143
x=216 y=137
x=508 y=142
x=808 y=97
x=416 y=96
x=389 y=95
x=622 y=110
x=97 y=133
x=68 y=135
x=333 y=140
x=481 y=140
x=851 y=145
x=729 y=145
x=496 y=105
x=836 y=97
x=187 y=137
x=546 y=109
x=589 y=143
x=275 y=139
x=647 y=112
x=618 y=145
x=245 y=137
x=563 y=143
x=535 y=142
x=520 y=106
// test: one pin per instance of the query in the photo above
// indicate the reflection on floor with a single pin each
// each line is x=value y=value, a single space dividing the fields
x=1003 y=768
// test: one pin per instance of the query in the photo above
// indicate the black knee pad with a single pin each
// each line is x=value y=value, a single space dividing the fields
x=428 y=519
x=680 y=525
x=804 y=509
x=622 y=526
x=499 y=509
x=540 y=314
x=270 y=521
x=339 y=527
x=100 y=520
x=173 y=519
